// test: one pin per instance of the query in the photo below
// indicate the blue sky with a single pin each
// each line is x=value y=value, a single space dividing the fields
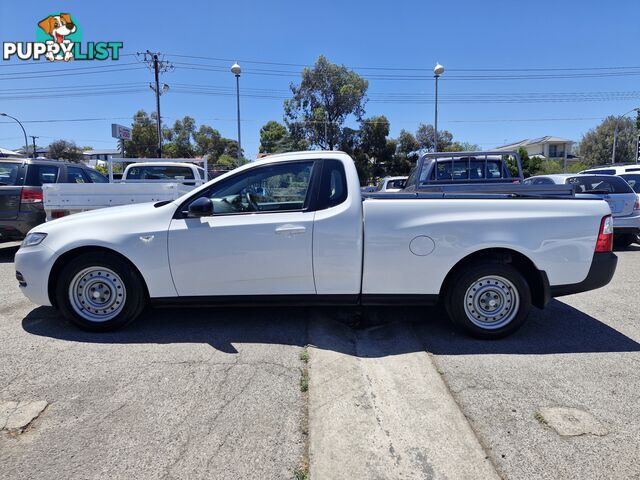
x=462 y=35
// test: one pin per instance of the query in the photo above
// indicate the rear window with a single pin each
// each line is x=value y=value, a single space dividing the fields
x=469 y=169
x=40 y=174
x=9 y=173
x=603 y=171
x=160 y=172
x=633 y=179
x=599 y=184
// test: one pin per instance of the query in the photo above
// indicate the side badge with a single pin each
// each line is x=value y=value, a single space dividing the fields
x=146 y=238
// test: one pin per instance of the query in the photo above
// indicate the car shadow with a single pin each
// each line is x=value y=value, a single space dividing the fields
x=560 y=328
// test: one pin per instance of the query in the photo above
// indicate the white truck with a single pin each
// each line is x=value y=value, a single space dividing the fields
x=147 y=180
x=294 y=228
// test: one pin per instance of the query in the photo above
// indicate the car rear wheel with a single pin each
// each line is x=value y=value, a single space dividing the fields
x=100 y=292
x=488 y=300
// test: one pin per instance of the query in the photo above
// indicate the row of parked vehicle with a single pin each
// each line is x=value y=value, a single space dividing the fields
x=35 y=190
x=618 y=185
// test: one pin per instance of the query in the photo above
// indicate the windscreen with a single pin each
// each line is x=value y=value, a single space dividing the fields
x=9 y=173
x=633 y=179
x=160 y=172
x=469 y=169
x=599 y=184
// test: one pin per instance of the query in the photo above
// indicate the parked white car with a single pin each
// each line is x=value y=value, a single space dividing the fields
x=391 y=184
x=294 y=228
x=623 y=201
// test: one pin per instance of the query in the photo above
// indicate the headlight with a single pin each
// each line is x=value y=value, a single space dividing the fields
x=33 y=239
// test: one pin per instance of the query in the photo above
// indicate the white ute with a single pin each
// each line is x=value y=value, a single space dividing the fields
x=294 y=228
x=148 y=180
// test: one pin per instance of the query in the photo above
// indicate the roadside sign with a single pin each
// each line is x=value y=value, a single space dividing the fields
x=120 y=131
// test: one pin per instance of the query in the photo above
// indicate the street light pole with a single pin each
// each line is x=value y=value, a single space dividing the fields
x=437 y=71
x=26 y=142
x=236 y=70
x=33 y=138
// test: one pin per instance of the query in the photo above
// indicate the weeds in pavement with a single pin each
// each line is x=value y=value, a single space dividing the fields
x=301 y=473
x=304 y=379
x=304 y=355
x=541 y=420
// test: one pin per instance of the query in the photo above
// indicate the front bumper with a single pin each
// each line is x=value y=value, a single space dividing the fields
x=603 y=266
x=33 y=264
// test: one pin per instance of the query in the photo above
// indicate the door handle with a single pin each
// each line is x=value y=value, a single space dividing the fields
x=289 y=229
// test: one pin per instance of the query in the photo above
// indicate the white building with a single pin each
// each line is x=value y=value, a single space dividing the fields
x=553 y=148
x=97 y=157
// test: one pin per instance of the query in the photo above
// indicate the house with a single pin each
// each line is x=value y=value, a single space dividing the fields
x=9 y=153
x=553 y=148
x=96 y=157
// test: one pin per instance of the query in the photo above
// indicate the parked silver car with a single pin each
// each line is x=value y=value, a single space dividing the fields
x=623 y=201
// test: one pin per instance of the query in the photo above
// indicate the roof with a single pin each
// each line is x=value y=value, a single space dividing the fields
x=4 y=151
x=103 y=151
x=534 y=141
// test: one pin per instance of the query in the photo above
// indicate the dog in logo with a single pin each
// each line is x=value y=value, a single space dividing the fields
x=58 y=27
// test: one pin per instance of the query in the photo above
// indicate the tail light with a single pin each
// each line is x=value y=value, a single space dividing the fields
x=58 y=213
x=31 y=195
x=605 y=235
x=637 y=205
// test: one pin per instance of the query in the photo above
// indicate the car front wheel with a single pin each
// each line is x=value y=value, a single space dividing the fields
x=488 y=300
x=100 y=292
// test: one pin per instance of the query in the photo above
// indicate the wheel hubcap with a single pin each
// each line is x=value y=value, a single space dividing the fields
x=97 y=294
x=491 y=302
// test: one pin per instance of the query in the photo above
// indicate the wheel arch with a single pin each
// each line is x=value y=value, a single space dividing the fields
x=67 y=256
x=536 y=279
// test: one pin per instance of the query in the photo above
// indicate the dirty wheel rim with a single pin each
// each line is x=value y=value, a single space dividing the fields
x=97 y=294
x=491 y=302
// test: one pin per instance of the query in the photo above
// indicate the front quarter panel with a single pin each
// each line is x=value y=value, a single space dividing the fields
x=138 y=232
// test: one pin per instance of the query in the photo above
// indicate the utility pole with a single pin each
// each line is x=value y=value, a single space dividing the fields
x=158 y=65
x=33 y=138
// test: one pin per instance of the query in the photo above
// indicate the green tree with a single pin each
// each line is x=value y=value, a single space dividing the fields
x=179 y=139
x=272 y=137
x=425 y=135
x=596 y=146
x=65 y=150
x=327 y=96
x=144 y=138
x=208 y=141
x=462 y=147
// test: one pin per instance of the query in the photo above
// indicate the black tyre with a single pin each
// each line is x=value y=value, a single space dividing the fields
x=623 y=241
x=488 y=300
x=100 y=292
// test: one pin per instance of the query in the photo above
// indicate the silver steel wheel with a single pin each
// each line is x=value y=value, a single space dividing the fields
x=491 y=302
x=97 y=294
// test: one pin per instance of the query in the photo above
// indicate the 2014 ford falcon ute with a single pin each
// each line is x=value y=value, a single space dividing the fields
x=295 y=228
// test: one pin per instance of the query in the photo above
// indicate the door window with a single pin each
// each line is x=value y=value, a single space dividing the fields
x=272 y=188
x=96 y=177
x=333 y=185
x=75 y=175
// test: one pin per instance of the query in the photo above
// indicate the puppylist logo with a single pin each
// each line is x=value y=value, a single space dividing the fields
x=59 y=38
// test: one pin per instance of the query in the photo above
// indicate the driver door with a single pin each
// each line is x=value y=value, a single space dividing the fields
x=258 y=240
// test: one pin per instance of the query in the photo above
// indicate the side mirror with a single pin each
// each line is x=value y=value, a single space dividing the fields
x=201 y=207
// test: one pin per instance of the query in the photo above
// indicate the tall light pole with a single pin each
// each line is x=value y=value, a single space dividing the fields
x=236 y=70
x=26 y=142
x=437 y=71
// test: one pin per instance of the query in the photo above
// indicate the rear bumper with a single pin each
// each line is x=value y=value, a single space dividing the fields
x=603 y=266
x=20 y=226
x=624 y=225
